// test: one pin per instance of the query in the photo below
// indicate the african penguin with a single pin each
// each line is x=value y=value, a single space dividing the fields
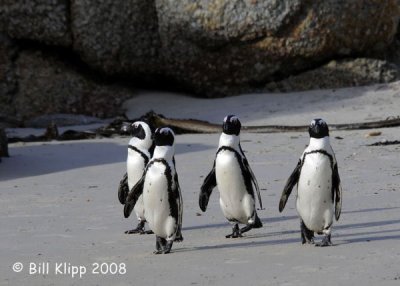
x=140 y=151
x=161 y=193
x=319 y=193
x=232 y=174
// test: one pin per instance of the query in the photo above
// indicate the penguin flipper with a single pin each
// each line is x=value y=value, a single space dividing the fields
x=179 y=202
x=123 y=189
x=290 y=183
x=253 y=179
x=206 y=189
x=133 y=196
x=337 y=192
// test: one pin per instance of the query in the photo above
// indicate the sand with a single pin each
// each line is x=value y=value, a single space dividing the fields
x=59 y=201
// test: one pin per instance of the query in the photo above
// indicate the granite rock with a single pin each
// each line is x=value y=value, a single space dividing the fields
x=339 y=73
x=116 y=37
x=220 y=47
x=45 y=21
x=8 y=82
x=56 y=86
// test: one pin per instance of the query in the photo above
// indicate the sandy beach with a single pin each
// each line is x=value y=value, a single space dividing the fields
x=59 y=201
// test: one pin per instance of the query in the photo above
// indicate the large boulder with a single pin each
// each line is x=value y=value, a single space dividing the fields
x=8 y=82
x=116 y=36
x=56 y=86
x=221 y=47
x=206 y=47
x=340 y=73
x=45 y=21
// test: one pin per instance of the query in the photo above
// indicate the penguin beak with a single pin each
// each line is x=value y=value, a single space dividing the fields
x=126 y=128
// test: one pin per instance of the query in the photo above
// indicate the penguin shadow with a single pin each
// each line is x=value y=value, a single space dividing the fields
x=338 y=238
x=370 y=210
x=372 y=235
x=244 y=242
x=241 y=244
x=265 y=221
x=47 y=158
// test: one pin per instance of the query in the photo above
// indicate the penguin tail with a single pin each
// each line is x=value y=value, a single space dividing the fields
x=257 y=222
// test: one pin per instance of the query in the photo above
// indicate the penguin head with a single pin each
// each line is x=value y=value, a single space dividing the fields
x=141 y=135
x=318 y=128
x=138 y=130
x=231 y=125
x=164 y=136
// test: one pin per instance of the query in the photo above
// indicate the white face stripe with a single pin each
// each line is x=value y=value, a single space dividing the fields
x=166 y=130
x=314 y=121
x=232 y=119
x=145 y=127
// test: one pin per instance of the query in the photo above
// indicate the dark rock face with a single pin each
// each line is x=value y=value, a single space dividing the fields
x=56 y=86
x=207 y=47
x=220 y=46
x=46 y=21
x=336 y=74
x=117 y=36
x=8 y=79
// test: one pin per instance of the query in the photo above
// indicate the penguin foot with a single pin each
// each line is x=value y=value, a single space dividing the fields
x=134 y=231
x=147 y=232
x=257 y=222
x=326 y=241
x=235 y=232
x=160 y=242
x=307 y=236
x=163 y=246
x=179 y=238
x=138 y=229
x=168 y=246
x=246 y=228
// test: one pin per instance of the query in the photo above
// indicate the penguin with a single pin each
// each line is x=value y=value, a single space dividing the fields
x=232 y=174
x=161 y=193
x=319 y=192
x=140 y=151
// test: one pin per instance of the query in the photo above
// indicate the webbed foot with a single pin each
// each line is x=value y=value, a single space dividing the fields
x=235 y=232
x=139 y=229
x=307 y=236
x=326 y=241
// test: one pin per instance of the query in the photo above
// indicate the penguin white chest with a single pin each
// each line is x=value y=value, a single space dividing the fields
x=156 y=203
x=135 y=165
x=236 y=203
x=314 y=194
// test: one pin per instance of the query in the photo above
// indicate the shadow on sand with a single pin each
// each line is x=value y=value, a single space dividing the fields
x=339 y=239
